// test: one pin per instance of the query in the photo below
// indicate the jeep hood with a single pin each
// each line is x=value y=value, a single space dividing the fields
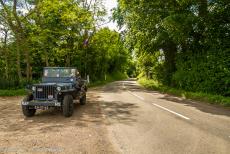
x=58 y=80
x=53 y=84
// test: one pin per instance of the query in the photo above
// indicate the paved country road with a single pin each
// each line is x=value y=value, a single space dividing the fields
x=120 y=117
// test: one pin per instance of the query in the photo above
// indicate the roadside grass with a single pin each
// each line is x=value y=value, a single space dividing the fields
x=12 y=92
x=110 y=78
x=198 y=96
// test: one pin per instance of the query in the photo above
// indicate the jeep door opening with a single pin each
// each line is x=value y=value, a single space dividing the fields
x=59 y=87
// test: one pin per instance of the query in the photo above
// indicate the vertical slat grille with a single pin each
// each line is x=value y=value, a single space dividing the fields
x=45 y=92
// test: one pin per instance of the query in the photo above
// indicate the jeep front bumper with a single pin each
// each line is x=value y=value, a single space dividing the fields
x=42 y=103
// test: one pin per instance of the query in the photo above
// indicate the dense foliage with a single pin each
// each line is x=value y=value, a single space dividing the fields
x=183 y=44
x=38 y=33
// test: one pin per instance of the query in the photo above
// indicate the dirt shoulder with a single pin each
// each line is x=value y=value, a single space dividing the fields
x=50 y=132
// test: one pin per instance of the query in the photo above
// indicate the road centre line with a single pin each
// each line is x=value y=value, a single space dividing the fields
x=178 y=114
x=159 y=106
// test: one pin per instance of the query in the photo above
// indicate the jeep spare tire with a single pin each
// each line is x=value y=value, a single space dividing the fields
x=67 y=106
x=27 y=111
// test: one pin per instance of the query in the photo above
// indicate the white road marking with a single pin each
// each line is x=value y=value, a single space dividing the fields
x=136 y=95
x=180 y=115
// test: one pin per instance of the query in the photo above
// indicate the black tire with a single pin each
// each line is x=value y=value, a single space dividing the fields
x=67 y=106
x=83 y=100
x=28 y=112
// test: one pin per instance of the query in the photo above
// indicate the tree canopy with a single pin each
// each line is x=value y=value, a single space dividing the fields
x=189 y=37
x=39 y=33
x=180 y=43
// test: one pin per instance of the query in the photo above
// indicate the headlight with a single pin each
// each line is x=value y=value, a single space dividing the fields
x=33 y=88
x=58 y=88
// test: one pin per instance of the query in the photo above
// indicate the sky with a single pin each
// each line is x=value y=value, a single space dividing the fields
x=109 y=4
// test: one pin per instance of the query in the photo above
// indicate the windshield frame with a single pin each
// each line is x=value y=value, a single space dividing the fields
x=59 y=72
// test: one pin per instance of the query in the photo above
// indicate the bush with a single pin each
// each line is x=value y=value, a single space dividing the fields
x=204 y=72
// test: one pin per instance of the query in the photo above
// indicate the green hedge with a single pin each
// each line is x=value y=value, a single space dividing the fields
x=204 y=72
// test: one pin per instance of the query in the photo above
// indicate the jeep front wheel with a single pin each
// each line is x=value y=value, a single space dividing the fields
x=67 y=106
x=28 y=112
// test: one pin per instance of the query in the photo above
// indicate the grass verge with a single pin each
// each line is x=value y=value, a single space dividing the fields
x=199 y=96
x=13 y=92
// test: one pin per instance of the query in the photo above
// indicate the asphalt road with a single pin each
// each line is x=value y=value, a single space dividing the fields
x=141 y=121
x=120 y=117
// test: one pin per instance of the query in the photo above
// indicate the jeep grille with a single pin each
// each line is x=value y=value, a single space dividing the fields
x=45 y=92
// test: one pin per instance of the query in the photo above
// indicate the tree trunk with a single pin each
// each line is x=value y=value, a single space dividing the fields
x=67 y=60
x=6 y=54
x=7 y=65
x=28 y=67
x=170 y=63
x=24 y=47
x=199 y=36
x=46 y=59
x=18 y=61
x=202 y=8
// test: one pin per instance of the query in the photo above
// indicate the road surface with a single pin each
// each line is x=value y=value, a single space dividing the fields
x=120 y=117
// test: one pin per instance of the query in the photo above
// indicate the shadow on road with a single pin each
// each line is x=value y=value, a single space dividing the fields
x=119 y=112
x=90 y=115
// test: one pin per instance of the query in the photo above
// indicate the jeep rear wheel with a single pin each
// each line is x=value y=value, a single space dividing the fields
x=67 y=106
x=28 y=112
x=83 y=100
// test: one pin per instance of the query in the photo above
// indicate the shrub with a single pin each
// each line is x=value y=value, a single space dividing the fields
x=204 y=72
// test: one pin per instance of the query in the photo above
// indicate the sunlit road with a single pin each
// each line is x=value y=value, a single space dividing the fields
x=120 y=117
x=141 y=121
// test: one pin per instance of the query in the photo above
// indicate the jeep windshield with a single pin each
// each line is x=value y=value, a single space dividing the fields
x=59 y=72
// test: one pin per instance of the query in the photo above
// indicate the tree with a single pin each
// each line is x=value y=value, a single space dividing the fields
x=190 y=33
x=54 y=33
x=16 y=22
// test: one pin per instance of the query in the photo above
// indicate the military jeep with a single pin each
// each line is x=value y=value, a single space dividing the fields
x=59 y=87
